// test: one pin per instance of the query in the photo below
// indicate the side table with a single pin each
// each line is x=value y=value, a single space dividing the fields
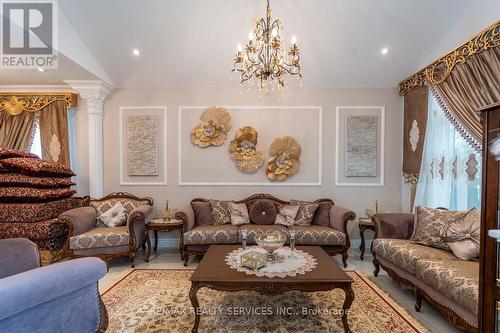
x=160 y=225
x=364 y=223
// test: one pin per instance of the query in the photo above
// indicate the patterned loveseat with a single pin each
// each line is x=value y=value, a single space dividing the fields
x=89 y=237
x=448 y=284
x=328 y=229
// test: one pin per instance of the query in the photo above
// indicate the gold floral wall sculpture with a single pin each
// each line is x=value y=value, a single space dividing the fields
x=244 y=152
x=215 y=123
x=285 y=161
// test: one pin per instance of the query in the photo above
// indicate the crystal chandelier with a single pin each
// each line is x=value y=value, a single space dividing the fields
x=264 y=60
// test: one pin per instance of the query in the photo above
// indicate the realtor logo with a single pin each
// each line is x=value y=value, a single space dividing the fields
x=29 y=38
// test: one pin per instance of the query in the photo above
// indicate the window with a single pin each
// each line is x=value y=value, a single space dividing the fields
x=450 y=174
x=36 y=145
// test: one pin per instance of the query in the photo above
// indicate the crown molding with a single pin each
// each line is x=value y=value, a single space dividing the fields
x=90 y=87
x=39 y=88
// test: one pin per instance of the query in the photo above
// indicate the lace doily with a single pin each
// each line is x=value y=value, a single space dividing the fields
x=296 y=262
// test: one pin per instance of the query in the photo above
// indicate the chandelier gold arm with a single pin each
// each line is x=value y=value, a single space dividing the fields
x=16 y=103
x=440 y=69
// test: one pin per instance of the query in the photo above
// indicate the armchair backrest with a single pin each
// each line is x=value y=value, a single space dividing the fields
x=129 y=201
x=18 y=255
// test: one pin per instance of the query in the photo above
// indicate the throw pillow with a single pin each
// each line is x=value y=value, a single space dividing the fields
x=463 y=236
x=305 y=213
x=115 y=217
x=28 y=194
x=286 y=215
x=429 y=222
x=8 y=153
x=19 y=180
x=239 y=213
x=263 y=212
x=202 y=213
x=35 y=167
x=220 y=212
x=322 y=214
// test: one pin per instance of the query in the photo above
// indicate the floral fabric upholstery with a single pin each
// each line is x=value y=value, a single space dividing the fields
x=318 y=235
x=37 y=212
x=8 y=153
x=254 y=229
x=100 y=237
x=429 y=222
x=36 y=167
x=306 y=212
x=19 y=180
x=48 y=235
x=27 y=194
x=211 y=234
x=405 y=254
x=458 y=280
x=220 y=212
x=129 y=204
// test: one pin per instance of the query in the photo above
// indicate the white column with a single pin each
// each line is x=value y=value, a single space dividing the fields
x=94 y=93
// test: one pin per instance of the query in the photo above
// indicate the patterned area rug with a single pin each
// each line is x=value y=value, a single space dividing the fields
x=153 y=300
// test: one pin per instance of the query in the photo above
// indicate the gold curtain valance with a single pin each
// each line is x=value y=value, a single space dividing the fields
x=439 y=70
x=16 y=103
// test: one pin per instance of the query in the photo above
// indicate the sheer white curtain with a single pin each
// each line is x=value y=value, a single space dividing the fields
x=450 y=175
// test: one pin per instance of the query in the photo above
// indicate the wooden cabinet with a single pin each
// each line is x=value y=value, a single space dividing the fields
x=489 y=278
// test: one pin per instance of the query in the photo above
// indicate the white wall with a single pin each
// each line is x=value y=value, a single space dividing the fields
x=355 y=198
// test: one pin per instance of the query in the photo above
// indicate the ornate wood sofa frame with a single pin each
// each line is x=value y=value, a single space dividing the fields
x=339 y=218
x=399 y=226
x=83 y=221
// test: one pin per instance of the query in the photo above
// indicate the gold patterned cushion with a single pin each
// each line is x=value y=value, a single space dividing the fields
x=20 y=180
x=211 y=234
x=100 y=237
x=318 y=235
x=220 y=212
x=458 y=280
x=36 y=167
x=9 y=153
x=254 y=229
x=306 y=212
x=27 y=194
x=129 y=204
x=405 y=254
x=428 y=223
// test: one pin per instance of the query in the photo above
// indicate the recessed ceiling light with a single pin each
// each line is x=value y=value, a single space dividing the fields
x=40 y=69
x=136 y=52
x=384 y=51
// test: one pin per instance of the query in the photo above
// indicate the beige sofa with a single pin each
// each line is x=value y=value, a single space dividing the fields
x=449 y=285
x=333 y=238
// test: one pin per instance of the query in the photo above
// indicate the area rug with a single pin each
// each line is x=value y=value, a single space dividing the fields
x=154 y=300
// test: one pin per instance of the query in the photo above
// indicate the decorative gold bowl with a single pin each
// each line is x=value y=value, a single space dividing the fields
x=270 y=241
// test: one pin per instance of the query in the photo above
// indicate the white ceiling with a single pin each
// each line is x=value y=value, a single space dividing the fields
x=192 y=42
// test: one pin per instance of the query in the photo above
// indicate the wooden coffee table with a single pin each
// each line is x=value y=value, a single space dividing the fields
x=214 y=273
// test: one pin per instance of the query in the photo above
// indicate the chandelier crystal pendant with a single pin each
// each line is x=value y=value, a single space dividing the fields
x=264 y=60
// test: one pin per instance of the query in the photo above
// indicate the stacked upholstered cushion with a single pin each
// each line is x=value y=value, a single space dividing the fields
x=33 y=193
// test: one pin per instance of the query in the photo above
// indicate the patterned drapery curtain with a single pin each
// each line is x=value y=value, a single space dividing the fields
x=54 y=133
x=16 y=132
x=450 y=174
x=470 y=86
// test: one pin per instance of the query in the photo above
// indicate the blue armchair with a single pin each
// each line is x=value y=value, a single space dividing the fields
x=61 y=297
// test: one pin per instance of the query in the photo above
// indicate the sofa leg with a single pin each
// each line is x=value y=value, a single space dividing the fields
x=344 y=258
x=418 y=303
x=377 y=267
x=132 y=259
x=186 y=258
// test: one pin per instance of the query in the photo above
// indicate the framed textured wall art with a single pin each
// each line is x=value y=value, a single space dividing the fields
x=216 y=167
x=359 y=155
x=143 y=145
